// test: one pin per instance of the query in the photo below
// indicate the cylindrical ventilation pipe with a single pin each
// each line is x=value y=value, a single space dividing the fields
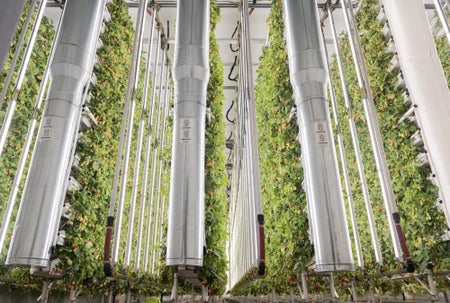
x=324 y=194
x=44 y=192
x=185 y=240
x=426 y=84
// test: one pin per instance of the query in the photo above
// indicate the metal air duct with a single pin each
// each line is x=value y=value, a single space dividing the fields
x=185 y=240
x=323 y=188
x=42 y=201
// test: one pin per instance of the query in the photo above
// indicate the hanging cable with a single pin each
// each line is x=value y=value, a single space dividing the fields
x=20 y=78
x=232 y=37
x=232 y=69
x=227 y=115
x=397 y=236
x=356 y=146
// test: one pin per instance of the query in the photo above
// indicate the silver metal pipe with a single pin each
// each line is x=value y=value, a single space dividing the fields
x=356 y=146
x=26 y=146
x=40 y=209
x=374 y=129
x=154 y=152
x=149 y=151
x=163 y=142
x=252 y=137
x=17 y=52
x=185 y=239
x=137 y=163
x=131 y=100
x=246 y=243
x=155 y=165
x=161 y=171
x=23 y=69
x=342 y=154
x=324 y=194
x=144 y=113
x=442 y=18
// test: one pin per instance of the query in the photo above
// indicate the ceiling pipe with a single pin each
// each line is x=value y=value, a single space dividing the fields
x=327 y=217
x=186 y=230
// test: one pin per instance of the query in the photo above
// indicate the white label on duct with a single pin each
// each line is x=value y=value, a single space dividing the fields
x=47 y=128
x=186 y=129
x=321 y=133
x=52 y=127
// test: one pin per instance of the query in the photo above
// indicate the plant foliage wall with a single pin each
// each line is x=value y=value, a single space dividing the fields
x=215 y=263
x=415 y=194
x=24 y=110
x=284 y=202
x=25 y=103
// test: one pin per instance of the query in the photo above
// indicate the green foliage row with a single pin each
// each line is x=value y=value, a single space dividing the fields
x=284 y=203
x=19 y=127
x=287 y=243
x=82 y=255
x=25 y=103
x=215 y=261
x=415 y=195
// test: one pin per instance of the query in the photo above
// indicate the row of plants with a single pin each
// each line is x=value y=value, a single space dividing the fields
x=25 y=104
x=414 y=193
x=19 y=127
x=284 y=203
x=82 y=255
x=287 y=241
x=214 y=271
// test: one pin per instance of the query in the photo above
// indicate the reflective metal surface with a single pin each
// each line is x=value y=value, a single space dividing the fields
x=324 y=194
x=45 y=188
x=191 y=73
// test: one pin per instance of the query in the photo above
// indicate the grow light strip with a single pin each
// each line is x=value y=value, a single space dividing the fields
x=397 y=236
x=126 y=133
x=17 y=52
x=356 y=146
x=148 y=68
x=149 y=151
x=21 y=76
